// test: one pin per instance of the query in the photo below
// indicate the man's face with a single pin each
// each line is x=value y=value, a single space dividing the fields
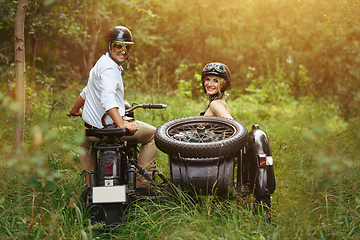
x=119 y=56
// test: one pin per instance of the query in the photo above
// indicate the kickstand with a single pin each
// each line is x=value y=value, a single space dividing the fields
x=156 y=172
x=143 y=173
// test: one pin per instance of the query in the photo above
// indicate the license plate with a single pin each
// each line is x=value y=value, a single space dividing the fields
x=109 y=194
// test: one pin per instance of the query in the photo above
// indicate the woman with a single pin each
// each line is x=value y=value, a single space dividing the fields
x=215 y=78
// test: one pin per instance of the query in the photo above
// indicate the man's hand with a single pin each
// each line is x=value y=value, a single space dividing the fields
x=75 y=113
x=76 y=108
x=131 y=127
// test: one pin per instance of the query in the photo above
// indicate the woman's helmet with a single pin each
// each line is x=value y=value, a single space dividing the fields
x=217 y=69
x=119 y=34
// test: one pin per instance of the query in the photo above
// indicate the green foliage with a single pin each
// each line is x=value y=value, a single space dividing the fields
x=313 y=43
x=7 y=108
x=7 y=14
x=40 y=184
x=316 y=159
x=207 y=216
x=295 y=73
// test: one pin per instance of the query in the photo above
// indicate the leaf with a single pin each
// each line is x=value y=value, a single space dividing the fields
x=47 y=3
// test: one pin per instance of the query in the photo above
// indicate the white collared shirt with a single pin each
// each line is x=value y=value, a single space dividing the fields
x=104 y=91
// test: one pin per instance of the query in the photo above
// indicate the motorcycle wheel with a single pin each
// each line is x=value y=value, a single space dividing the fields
x=201 y=137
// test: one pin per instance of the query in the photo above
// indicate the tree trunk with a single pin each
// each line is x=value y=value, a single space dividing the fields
x=94 y=36
x=20 y=70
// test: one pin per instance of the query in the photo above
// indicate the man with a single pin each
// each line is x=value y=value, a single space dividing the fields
x=103 y=101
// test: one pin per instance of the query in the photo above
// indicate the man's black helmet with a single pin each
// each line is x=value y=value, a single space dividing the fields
x=217 y=69
x=120 y=34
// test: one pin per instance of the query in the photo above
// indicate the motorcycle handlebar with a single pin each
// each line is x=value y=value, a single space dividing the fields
x=155 y=106
x=145 y=106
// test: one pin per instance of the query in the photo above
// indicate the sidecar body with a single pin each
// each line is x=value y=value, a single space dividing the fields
x=237 y=168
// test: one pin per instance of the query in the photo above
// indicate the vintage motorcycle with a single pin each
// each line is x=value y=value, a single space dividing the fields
x=113 y=182
x=203 y=155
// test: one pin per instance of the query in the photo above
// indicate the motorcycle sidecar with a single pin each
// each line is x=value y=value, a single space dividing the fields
x=203 y=153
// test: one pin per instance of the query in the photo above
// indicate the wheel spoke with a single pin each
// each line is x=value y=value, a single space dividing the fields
x=200 y=132
x=198 y=136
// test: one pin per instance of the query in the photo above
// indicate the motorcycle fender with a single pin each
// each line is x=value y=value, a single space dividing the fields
x=265 y=181
x=259 y=152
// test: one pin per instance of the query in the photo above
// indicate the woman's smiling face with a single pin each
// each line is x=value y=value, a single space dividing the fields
x=211 y=84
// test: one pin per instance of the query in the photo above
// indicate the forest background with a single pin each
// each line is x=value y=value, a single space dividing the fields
x=295 y=70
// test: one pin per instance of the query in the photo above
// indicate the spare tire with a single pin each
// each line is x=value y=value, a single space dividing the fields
x=201 y=137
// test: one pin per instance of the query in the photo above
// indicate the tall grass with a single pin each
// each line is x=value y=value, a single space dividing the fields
x=316 y=160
